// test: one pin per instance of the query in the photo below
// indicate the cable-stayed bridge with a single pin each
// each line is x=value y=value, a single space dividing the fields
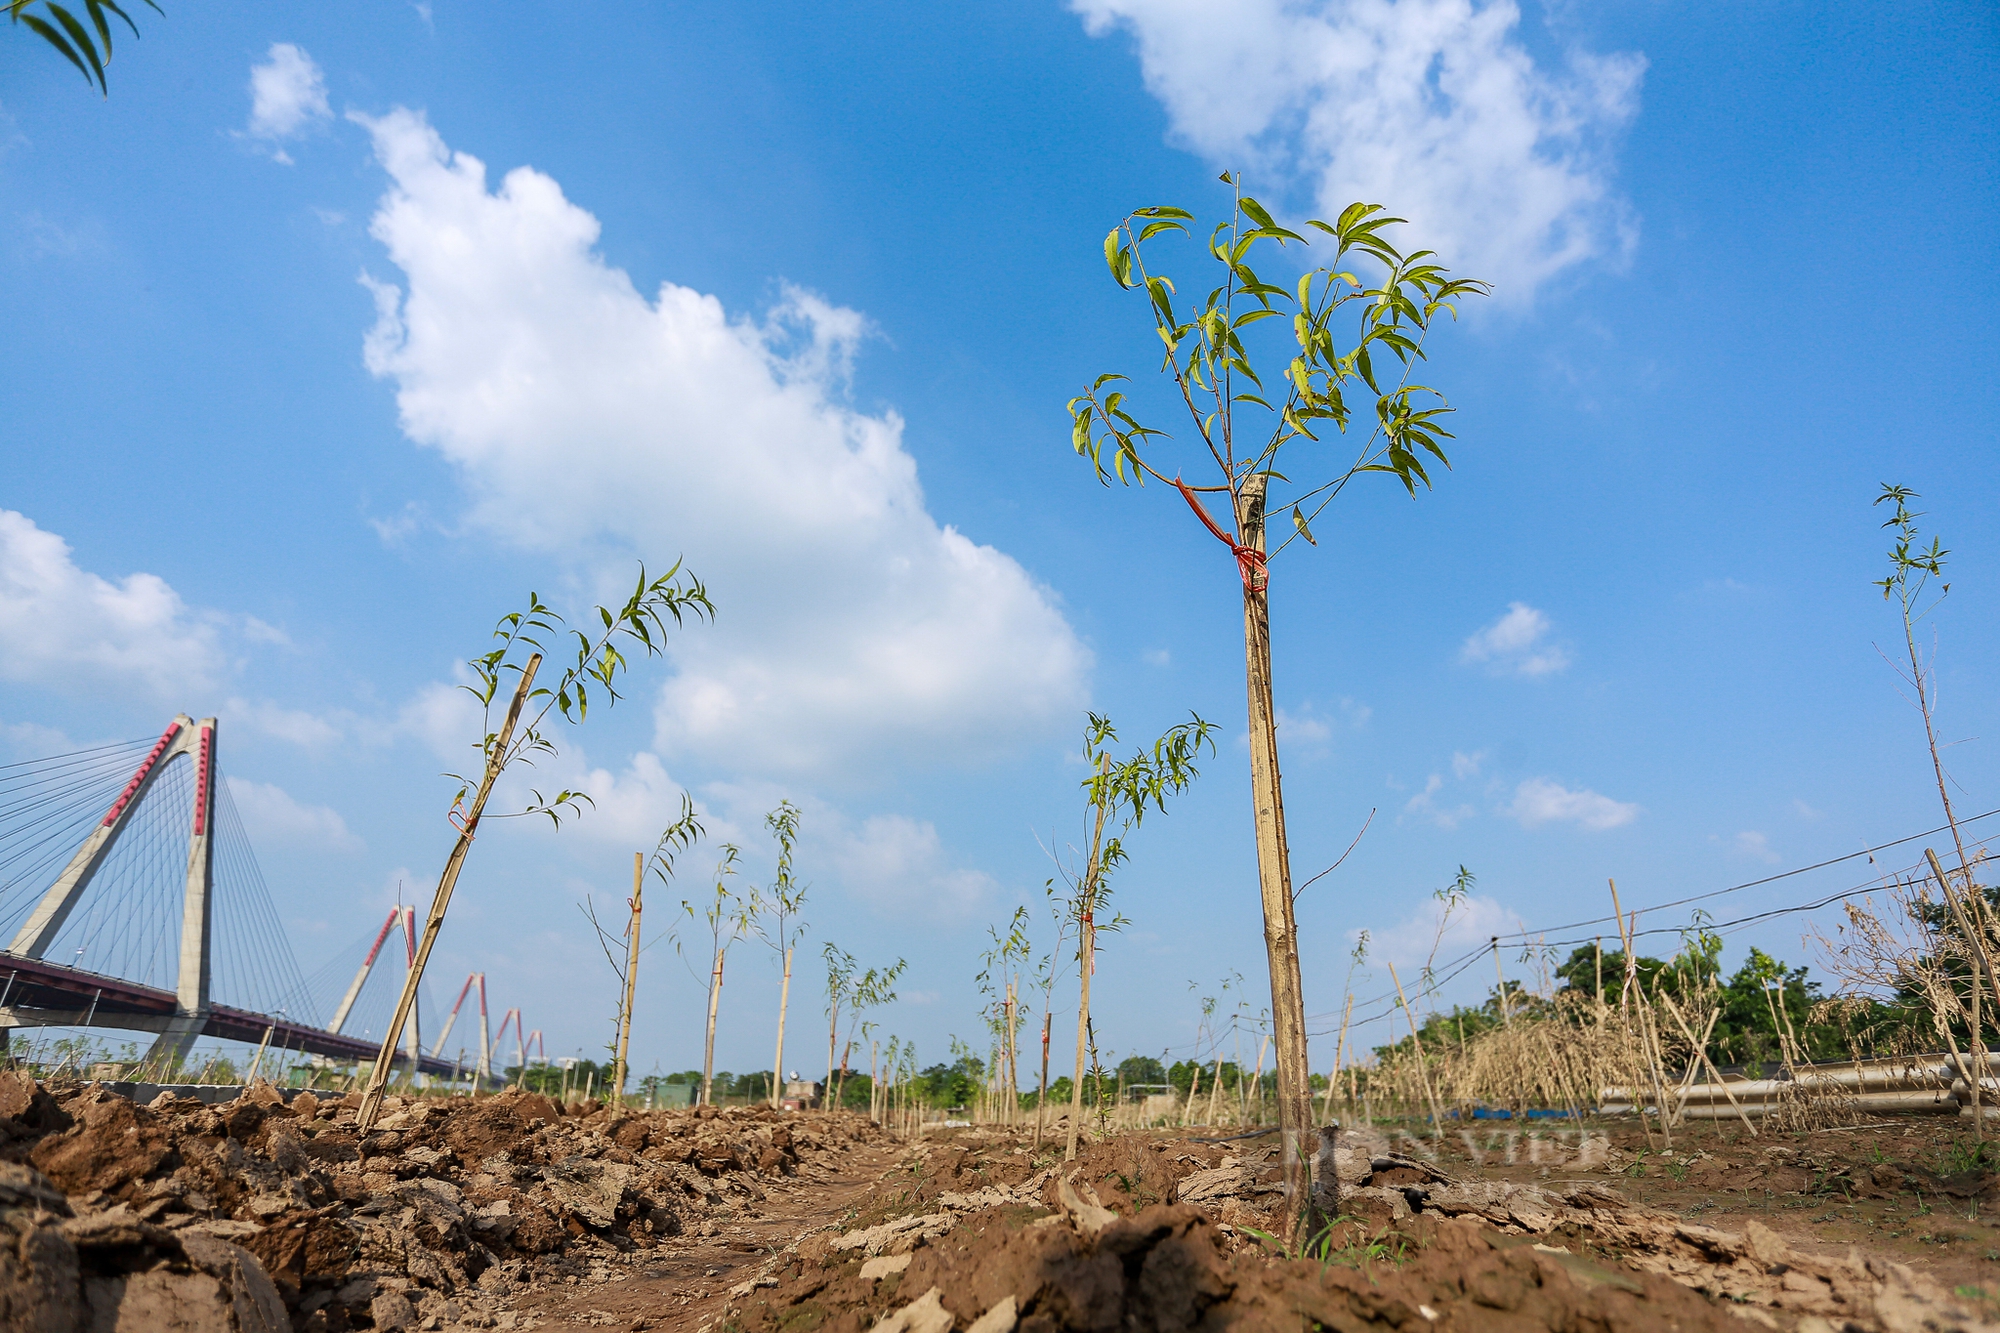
x=130 y=898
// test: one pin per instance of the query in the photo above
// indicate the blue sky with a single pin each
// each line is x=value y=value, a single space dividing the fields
x=299 y=402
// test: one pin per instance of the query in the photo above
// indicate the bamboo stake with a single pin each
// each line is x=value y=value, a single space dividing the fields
x=1086 y=963
x=1978 y=1043
x=708 y=1049
x=631 y=974
x=1417 y=1041
x=1042 y=1093
x=258 y=1063
x=1701 y=1053
x=1500 y=995
x=1194 y=1086
x=1339 y=1057
x=1011 y=1075
x=778 y=1065
x=378 y=1078
x=1648 y=1038
x=1257 y=1080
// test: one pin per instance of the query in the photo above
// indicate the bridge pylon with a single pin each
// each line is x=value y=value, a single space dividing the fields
x=194 y=741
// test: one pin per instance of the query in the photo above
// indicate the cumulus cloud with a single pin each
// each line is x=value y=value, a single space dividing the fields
x=1426 y=805
x=1541 y=801
x=899 y=864
x=588 y=421
x=274 y=816
x=1431 y=107
x=1517 y=644
x=287 y=97
x=66 y=628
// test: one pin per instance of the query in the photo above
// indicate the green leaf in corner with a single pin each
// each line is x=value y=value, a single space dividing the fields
x=1299 y=522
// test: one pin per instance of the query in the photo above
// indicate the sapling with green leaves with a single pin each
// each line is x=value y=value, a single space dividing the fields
x=1001 y=968
x=781 y=910
x=729 y=916
x=1253 y=441
x=1913 y=570
x=1048 y=971
x=522 y=638
x=870 y=990
x=840 y=967
x=1118 y=793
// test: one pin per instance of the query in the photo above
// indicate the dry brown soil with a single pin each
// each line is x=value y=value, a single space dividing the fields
x=1902 y=1188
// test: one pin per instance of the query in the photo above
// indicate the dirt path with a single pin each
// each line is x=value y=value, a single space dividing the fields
x=685 y=1283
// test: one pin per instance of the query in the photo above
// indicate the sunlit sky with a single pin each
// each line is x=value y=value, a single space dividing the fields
x=334 y=331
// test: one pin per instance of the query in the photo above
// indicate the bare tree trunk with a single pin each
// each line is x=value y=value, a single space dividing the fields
x=708 y=1047
x=631 y=974
x=778 y=1069
x=1274 y=875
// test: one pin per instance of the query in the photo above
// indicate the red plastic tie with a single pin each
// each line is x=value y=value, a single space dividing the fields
x=1249 y=560
x=459 y=822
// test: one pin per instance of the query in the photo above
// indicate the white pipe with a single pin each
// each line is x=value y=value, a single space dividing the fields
x=1865 y=1101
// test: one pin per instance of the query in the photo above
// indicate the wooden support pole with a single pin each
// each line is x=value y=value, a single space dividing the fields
x=378 y=1078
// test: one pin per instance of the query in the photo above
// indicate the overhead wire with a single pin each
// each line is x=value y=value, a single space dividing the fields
x=1381 y=1007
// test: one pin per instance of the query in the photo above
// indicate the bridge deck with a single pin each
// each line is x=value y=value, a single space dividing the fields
x=37 y=993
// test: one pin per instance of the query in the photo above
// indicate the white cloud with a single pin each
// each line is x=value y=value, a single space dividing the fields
x=63 y=627
x=1755 y=845
x=1425 y=806
x=1465 y=765
x=590 y=422
x=1302 y=726
x=1431 y=107
x=1158 y=657
x=627 y=809
x=273 y=815
x=1517 y=643
x=1409 y=942
x=1539 y=801
x=1804 y=811
x=899 y=864
x=287 y=97
x=311 y=731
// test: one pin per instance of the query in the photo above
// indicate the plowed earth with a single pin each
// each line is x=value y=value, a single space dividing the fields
x=506 y=1212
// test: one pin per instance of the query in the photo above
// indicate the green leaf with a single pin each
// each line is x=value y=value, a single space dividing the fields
x=48 y=34
x=81 y=37
x=1256 y=212
x=1152 y=229
x=1299 y=522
